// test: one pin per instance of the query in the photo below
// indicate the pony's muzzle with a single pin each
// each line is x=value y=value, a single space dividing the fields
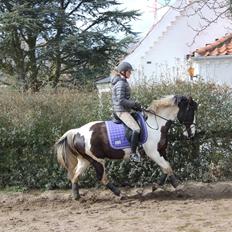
x=190 y=131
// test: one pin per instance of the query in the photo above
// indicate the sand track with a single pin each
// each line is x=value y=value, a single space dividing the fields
x=194 y=207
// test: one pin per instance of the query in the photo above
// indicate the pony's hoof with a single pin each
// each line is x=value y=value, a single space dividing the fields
x=155 y=187
x=75 y=191
x=173 y=181
x=76 y=196
x=117 y=192
x=162 y=179
x=123 y=196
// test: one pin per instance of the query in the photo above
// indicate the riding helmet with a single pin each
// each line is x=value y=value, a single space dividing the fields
x=124 y=66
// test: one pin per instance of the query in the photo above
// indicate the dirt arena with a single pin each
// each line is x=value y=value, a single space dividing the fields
x=194 y=207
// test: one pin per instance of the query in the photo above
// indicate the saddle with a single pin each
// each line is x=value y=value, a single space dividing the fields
x=119 y=134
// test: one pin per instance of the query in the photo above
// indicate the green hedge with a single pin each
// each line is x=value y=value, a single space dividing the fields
x=31 y=123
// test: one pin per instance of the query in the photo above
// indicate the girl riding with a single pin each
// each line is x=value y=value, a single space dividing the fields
x=123 y=104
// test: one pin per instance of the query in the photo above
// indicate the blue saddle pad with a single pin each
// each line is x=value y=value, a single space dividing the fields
x=117 y=133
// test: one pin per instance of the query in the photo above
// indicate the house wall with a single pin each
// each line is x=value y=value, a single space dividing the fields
x=161 y=55
x=215 y=69
x=104 y=88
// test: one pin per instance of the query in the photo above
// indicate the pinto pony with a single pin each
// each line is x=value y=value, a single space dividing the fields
x=89 y=145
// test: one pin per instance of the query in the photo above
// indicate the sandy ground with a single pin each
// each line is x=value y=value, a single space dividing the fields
x=194 y=207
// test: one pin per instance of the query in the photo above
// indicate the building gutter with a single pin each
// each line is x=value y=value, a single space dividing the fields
x=199 y=58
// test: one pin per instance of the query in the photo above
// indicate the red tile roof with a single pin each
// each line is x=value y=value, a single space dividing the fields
x=222 y=46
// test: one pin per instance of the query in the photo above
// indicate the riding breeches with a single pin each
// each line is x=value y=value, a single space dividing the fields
x=128 y=120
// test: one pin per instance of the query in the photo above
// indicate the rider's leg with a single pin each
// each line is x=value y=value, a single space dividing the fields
x=134 y=144
x=130 y=122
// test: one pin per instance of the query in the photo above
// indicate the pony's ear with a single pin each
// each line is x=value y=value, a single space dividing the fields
x=179 y=99
x=190 y=99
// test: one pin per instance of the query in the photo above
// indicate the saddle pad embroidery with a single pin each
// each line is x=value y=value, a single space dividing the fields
x=116 y=133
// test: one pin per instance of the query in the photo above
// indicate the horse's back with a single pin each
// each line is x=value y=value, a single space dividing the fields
x=90 y=124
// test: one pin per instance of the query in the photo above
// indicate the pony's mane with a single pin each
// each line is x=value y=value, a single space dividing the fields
x=163 y=102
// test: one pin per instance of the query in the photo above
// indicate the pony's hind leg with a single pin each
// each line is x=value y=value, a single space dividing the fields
x=82 y=164
x=101 y=176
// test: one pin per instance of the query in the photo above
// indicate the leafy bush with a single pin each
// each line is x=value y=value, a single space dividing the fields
x=31 y=123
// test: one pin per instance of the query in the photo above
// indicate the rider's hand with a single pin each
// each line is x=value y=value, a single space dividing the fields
x=137 y=107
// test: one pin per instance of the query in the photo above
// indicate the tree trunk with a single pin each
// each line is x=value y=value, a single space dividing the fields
x=34 y=84
x=18 y=57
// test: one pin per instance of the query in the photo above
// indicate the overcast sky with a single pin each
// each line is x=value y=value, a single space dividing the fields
x=147 y=18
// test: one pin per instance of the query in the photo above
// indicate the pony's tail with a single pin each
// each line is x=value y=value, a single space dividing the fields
x=65 y=151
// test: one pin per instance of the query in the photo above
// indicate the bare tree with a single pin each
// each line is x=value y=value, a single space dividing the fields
x=221 y=9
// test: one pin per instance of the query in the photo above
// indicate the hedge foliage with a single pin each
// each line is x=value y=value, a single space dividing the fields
x=31 y=123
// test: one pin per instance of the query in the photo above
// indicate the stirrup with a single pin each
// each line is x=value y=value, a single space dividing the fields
x=135 y=157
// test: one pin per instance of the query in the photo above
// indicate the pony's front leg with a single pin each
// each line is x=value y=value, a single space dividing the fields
x=166 y=168
x=172 y=179
x=115 y=190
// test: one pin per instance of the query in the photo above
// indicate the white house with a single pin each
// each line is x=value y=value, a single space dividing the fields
x=161 y=54
x=213 y=62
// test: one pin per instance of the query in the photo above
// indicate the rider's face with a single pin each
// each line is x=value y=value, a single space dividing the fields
x=128 y=73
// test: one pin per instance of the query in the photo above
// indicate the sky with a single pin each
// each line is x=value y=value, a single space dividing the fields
x=147 y=8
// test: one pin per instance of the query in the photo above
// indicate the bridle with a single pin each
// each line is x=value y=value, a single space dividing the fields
x=191 y=124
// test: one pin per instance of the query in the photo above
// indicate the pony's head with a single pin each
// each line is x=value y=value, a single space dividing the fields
x=177 y=107
x=186 y=114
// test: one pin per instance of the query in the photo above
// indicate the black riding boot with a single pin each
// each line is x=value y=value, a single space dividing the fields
x=134 y=144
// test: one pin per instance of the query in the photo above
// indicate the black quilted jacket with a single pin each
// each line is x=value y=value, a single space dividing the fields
x=121 y=92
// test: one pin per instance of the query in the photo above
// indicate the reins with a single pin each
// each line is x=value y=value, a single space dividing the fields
x=154 y=113
x=159 y=116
